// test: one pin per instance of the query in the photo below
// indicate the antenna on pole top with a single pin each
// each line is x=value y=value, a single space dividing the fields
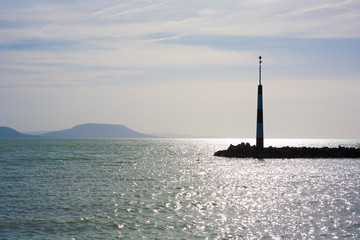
x=260 y=61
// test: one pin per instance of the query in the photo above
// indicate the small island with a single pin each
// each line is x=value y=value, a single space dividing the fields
x=245 y=150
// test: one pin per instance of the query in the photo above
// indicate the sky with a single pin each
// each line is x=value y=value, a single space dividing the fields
x=182 y=66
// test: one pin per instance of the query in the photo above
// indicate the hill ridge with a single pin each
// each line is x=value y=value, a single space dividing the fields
x=86 y=131
x=7 y=133
x=97 y=130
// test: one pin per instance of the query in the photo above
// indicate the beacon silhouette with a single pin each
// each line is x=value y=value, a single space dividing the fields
x=259 y=122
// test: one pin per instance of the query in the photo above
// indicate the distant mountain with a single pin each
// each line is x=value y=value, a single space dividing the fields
x=6 y=132
x=93 y=130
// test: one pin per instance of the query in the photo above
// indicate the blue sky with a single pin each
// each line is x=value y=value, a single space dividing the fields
x=184 y=67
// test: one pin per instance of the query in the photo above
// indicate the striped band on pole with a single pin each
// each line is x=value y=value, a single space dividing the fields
x=259 y=122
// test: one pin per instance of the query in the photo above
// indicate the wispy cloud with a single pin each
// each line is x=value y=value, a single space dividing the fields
x=123 y=9
x=110 y=9
x=140 y=35
x=139 y=18
x=335 y=5
x=115 y=65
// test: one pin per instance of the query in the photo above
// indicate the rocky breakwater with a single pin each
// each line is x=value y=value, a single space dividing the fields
x=245 y=150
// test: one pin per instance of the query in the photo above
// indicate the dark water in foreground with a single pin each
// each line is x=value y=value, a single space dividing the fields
x=173 y=189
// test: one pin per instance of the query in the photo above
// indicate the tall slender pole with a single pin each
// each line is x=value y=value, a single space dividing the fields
x=259 y=122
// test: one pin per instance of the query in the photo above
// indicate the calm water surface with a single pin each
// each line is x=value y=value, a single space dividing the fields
x=173 y=189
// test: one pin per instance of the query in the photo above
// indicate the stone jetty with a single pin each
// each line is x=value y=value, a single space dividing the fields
x=245 y=150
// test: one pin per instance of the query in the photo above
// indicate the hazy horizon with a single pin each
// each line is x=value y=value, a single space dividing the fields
x=174 y=135
x=182 y=67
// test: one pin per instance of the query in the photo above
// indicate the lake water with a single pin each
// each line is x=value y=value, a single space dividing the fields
x=173 y=189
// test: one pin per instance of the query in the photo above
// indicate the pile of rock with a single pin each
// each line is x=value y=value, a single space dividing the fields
x=245 y=150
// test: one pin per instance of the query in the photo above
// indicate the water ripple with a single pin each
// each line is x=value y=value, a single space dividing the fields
x=163 y=188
